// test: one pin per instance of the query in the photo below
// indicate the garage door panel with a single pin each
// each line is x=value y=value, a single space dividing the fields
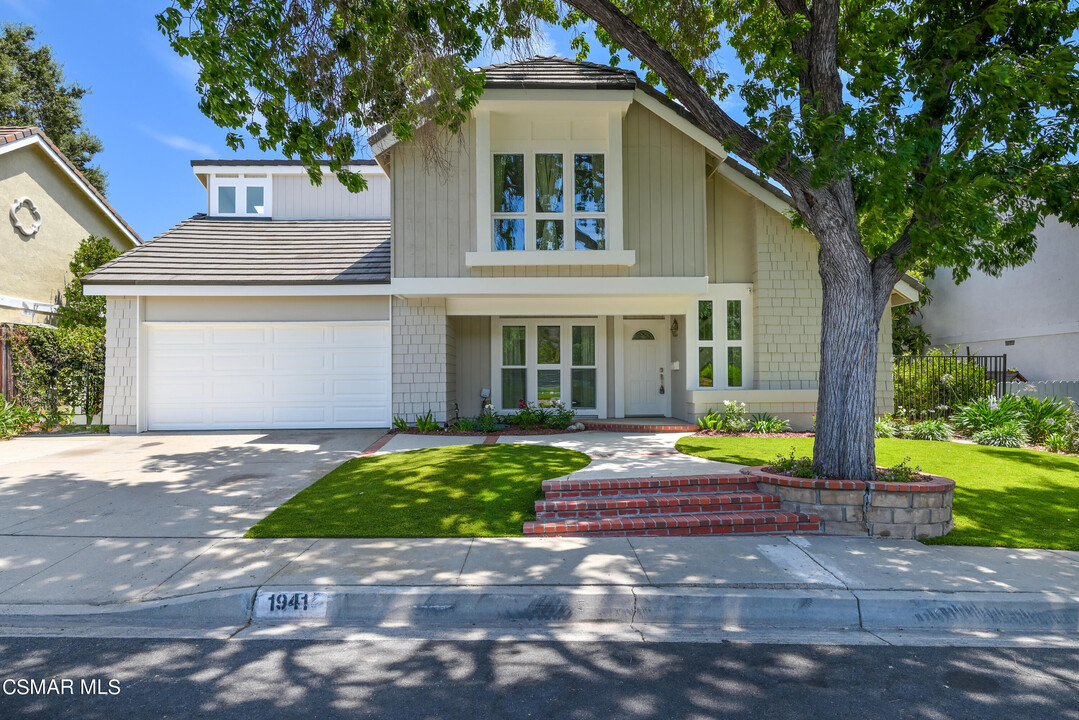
x=219 y=376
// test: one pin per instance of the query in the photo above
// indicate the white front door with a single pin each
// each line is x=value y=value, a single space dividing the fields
x=646 y=367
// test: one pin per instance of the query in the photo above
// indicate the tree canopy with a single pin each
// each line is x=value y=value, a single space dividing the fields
x=79 y=309
x=917 y=131
x=33 y=91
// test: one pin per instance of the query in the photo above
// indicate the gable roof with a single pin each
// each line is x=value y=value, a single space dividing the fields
x=549 y=72
x=15 y=137
x=271 y=162
x=218 y=251
x=552 y=72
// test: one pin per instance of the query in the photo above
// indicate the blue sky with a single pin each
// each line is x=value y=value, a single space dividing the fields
x=143 y=104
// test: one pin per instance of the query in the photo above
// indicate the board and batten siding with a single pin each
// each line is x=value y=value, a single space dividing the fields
x=473 y=352
x=664 y=208
x=295 y=198
x=731 y=231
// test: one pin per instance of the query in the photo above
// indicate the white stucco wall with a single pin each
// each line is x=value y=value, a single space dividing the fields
x=1036 y=306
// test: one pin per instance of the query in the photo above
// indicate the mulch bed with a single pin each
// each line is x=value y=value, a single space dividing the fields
x=477 y=433
x=720 y=433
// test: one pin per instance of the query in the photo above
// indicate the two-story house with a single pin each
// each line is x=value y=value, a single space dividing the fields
x=581 y=239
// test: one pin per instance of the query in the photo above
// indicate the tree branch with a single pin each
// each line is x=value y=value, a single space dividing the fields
x=681 y=84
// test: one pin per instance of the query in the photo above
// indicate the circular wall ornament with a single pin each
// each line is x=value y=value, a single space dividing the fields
x=34 y=213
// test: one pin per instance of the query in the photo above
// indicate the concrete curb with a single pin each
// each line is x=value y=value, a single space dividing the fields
x=476 y=606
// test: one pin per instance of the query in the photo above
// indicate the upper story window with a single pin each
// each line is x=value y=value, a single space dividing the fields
x=236 y=195
x=530 y=207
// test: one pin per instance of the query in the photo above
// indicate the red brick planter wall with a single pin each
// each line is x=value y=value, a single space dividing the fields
x=878 y=509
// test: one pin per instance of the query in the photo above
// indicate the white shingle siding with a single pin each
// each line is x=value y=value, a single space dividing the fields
x=424 y=358
x=121 y=363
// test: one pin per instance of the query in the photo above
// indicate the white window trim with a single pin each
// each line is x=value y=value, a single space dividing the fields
x=566 y=357
x=719 y=294
x=241 y=183
x=614 y=252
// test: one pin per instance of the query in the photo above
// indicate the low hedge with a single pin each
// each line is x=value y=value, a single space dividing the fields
x=54 y=367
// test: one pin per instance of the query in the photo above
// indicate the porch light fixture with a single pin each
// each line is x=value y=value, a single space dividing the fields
x=674 y=328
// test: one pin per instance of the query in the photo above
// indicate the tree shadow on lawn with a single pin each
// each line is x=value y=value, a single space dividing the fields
x=456 y=491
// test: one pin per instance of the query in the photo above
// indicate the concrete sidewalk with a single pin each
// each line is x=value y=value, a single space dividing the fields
x=816 y=583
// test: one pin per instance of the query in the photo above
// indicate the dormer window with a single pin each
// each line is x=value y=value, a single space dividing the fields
x=236 y=195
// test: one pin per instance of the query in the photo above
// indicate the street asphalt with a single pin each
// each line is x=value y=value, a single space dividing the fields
x=399 y=679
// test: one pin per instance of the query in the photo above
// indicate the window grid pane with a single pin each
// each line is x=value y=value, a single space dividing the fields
x=548 y=387
x=704 y=320
x=589 y=193
x=509 y=234
x=514 y=388
x=590 y=234
x=256 y=202
x=549 y=234
x=508 y=181
x=548 y=351
x=705 y=374
x=513 y=345
x=226 y=200
x=734 y=367
x=584 y=345
x=583 y=381
x=734 y=319
x=549 y=183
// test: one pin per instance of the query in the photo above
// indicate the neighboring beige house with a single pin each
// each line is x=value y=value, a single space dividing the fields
x=583 y=240
x=1029 y=313
x=49 y=207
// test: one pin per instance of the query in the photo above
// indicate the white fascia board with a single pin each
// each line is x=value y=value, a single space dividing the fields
x=551 y=258
x=766 y=197
x=904 y=294
x=542 y=287
x=236 y=290
x=567 y=305
x=277 y=169
x=82 y=183
x=388 y=141
x=710 y=143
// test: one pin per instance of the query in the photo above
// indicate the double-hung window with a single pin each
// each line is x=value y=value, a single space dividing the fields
x=721 y=345
x=549 y=201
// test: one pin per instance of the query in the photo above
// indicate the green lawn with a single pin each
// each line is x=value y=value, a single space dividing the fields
x=1003 y=497
x=458 y=491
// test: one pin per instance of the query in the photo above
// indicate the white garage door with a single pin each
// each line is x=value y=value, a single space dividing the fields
x=268 y=375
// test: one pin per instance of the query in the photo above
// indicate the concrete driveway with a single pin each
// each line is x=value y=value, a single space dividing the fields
x=161 y=485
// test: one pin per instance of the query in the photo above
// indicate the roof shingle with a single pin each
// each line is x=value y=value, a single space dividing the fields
x=216 y=251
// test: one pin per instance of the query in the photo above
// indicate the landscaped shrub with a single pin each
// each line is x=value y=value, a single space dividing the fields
x=427 y=422
x=986 y=413
x=712 y=420
x=560 y=416
x=884 y=427
x=1042 y=417
x=400 y=423
x=15 y=419
x=768 y=423
x=734 y=416
x=57 y=368
x=939 y=384
x=1060 y=443
x=931 y=430
x=464 y=424
x=1009 y=434
x=799 y=467
x=529 y=416
x=901 y=473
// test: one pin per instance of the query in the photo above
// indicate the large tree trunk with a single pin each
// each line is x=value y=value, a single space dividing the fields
x=855 y=295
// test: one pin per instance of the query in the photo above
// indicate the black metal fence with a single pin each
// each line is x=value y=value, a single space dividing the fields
x=936 y=385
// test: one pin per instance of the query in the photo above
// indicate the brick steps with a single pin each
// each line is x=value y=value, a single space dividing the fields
x=562 y=488
x=685 y=505
x=623 y=505
x=766 y=521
